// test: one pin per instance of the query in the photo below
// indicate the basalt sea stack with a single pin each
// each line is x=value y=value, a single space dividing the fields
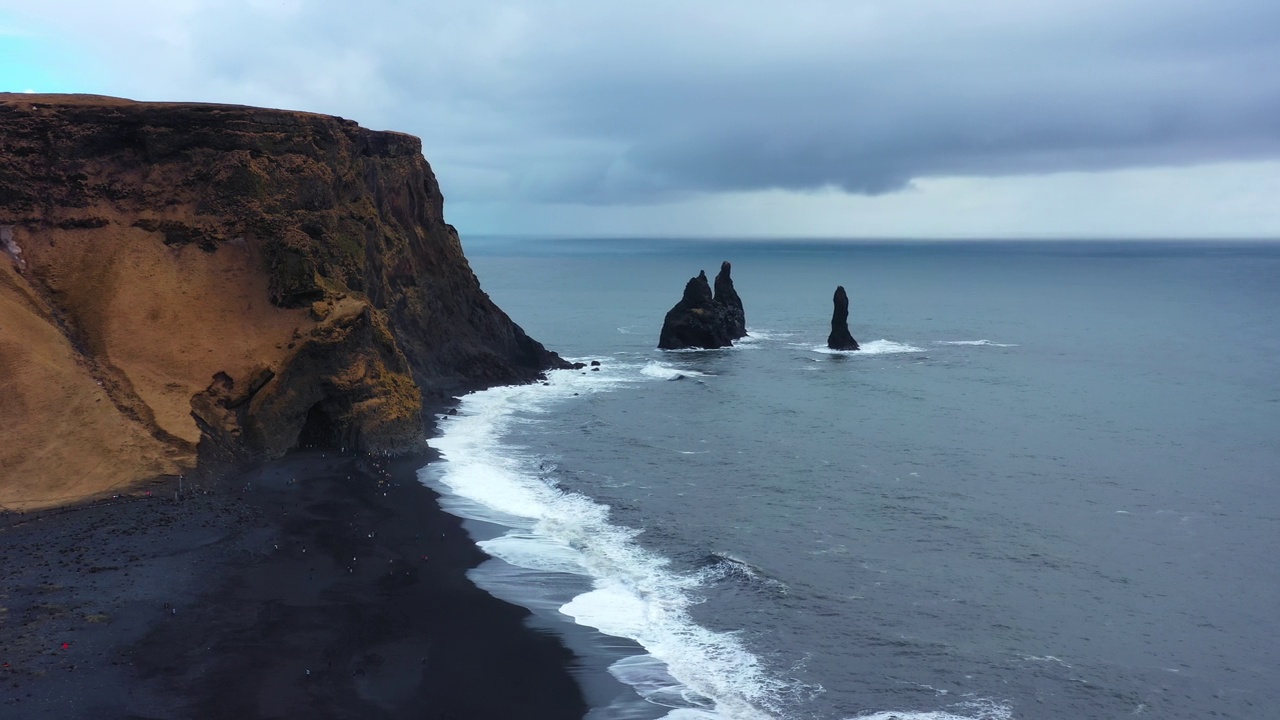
x=704 y=320
x=730 y=304
x=840 y=338
x=185 y=285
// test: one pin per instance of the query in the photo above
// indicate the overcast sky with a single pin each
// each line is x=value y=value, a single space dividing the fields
x=854 y=118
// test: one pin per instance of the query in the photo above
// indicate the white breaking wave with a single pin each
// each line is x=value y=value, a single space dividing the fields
x=932 y=715
x=752 y=340
x=971 y=709
x=887 y=347
x=986 y=343
x=874 y=347
x=663 y=371
x=727 y=564
x=1047 y=658
x=755 y=335
x=696 y=672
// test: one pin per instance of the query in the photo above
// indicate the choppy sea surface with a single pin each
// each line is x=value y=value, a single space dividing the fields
x=1048 y=487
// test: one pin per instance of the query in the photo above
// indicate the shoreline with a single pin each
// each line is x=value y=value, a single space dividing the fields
x=318 y=585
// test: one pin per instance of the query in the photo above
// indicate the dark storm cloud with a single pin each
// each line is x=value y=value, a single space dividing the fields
x=622 y=102
x=1150 y=84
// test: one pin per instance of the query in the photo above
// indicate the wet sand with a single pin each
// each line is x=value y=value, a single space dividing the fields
x=319 y=586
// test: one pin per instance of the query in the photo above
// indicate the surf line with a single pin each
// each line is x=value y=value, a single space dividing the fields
x=634 y=593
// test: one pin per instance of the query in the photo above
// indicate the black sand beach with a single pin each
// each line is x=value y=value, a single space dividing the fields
x=322 y=586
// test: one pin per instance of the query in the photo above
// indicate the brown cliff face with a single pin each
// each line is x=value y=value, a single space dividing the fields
x=186 y=281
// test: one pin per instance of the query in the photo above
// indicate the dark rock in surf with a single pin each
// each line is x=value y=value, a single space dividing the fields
x=704 y=320
x=840 y=338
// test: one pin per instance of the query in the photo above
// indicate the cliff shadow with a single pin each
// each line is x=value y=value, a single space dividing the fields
x=324 y=429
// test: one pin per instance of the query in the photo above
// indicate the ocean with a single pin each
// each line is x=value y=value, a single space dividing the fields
x=1048 y=487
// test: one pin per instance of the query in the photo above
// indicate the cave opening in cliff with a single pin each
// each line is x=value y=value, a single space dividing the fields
x=320 y=430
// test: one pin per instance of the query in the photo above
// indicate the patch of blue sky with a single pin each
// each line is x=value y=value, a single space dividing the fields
x=31 y=61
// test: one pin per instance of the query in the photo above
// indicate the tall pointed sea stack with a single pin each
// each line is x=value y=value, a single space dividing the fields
x=703 y=320
x=730 y=304
x=840 y=338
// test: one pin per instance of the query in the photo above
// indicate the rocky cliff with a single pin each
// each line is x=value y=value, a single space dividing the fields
x=189 y=284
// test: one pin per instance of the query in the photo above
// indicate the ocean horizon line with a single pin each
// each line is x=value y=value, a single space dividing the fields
x=869 y=239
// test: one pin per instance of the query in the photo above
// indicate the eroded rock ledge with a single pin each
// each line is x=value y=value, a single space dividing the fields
x=191 y=282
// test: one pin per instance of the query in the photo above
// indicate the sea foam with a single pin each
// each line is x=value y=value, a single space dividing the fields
x=693 y=671
x=755 y=336
x=874 y=347
x=964 y=710
x=663 y=371
x=978 y=343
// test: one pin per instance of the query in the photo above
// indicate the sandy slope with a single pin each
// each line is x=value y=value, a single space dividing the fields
x=47 y=391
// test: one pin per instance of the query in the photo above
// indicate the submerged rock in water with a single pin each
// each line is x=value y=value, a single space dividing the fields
x=704 y=320
x=840 y=338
